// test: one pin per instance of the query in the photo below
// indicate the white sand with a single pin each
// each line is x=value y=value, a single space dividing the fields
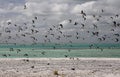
x=64 y=67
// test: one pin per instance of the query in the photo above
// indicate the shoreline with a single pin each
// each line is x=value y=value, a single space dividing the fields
x=69 y=58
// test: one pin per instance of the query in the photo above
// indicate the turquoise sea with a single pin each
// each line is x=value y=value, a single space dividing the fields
x=59 y=50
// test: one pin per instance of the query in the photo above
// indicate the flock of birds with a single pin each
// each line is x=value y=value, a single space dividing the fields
x=55 y=32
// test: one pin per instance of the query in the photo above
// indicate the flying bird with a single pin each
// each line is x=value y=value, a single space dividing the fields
x=116 y=39
x=61 y=25
x=9 y=23
x=75 y=23
x=95 y=26
x=102 y=10
x=83 y=25
x=70 y=20
x=33 y=21
x=35 y=17
x=25 y=7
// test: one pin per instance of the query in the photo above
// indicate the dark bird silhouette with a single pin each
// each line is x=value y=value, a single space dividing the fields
x=70 y=20
x=58 y=38
x=118 y=24
x=9 y=23
x=46 y=36
x=75 y=23
x=25 y=54
x=60 y=32
x=97 y=19
x=111 y=17
x=50 y=29
x=102 y=10
x=61 y=25
x=94 y=16
x=95 y=26
x=9 y=37
x=82 y=12
x=43 y=53
x=77 y=37
x=95 y=33
x=32 y=30
x=88 y=31
x=33 y=38
x=100 y=16
x=66 y=55
x=116 y=39
x=25 y=7
x=20 y=29
x=53 y=26
x=84 y=18
x=15 y=25
x=117 y=35
x=52 y=35
x=83 y=25
x=36 y=31
x=33 y=21
x=35 y=17
x=116 y=15
x=115 y=23
x=4 y=55
x=0 y=34
x=33 y=26
x=112 y=30
x=103 y=38
x=25 y=23
x=11 y=49
x=18 y=50
x=100 y=39
x=76 y=33
x=23 y=35
x=7 y=30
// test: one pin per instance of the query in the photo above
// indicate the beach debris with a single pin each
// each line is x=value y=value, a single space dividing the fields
x=72 y=68
x=55 y=72
x=32 y=66
x=48 y=63
x=26 y=60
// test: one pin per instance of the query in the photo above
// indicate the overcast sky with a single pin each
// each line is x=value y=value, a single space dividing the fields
x=55 y=12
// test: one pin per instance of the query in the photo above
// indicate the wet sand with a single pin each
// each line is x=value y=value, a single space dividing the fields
x=60 y=67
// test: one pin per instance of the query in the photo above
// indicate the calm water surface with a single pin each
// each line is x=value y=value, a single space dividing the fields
x=59 y=50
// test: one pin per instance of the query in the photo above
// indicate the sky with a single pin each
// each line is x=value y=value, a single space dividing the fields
x=51 y=13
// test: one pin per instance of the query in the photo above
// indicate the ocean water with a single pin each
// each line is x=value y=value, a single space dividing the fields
x=59 y=50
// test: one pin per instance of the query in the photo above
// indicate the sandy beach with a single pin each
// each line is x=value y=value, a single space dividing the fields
x=60 y=67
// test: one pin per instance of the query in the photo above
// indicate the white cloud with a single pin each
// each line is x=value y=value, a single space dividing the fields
x=86 y=6
x=58 y=8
